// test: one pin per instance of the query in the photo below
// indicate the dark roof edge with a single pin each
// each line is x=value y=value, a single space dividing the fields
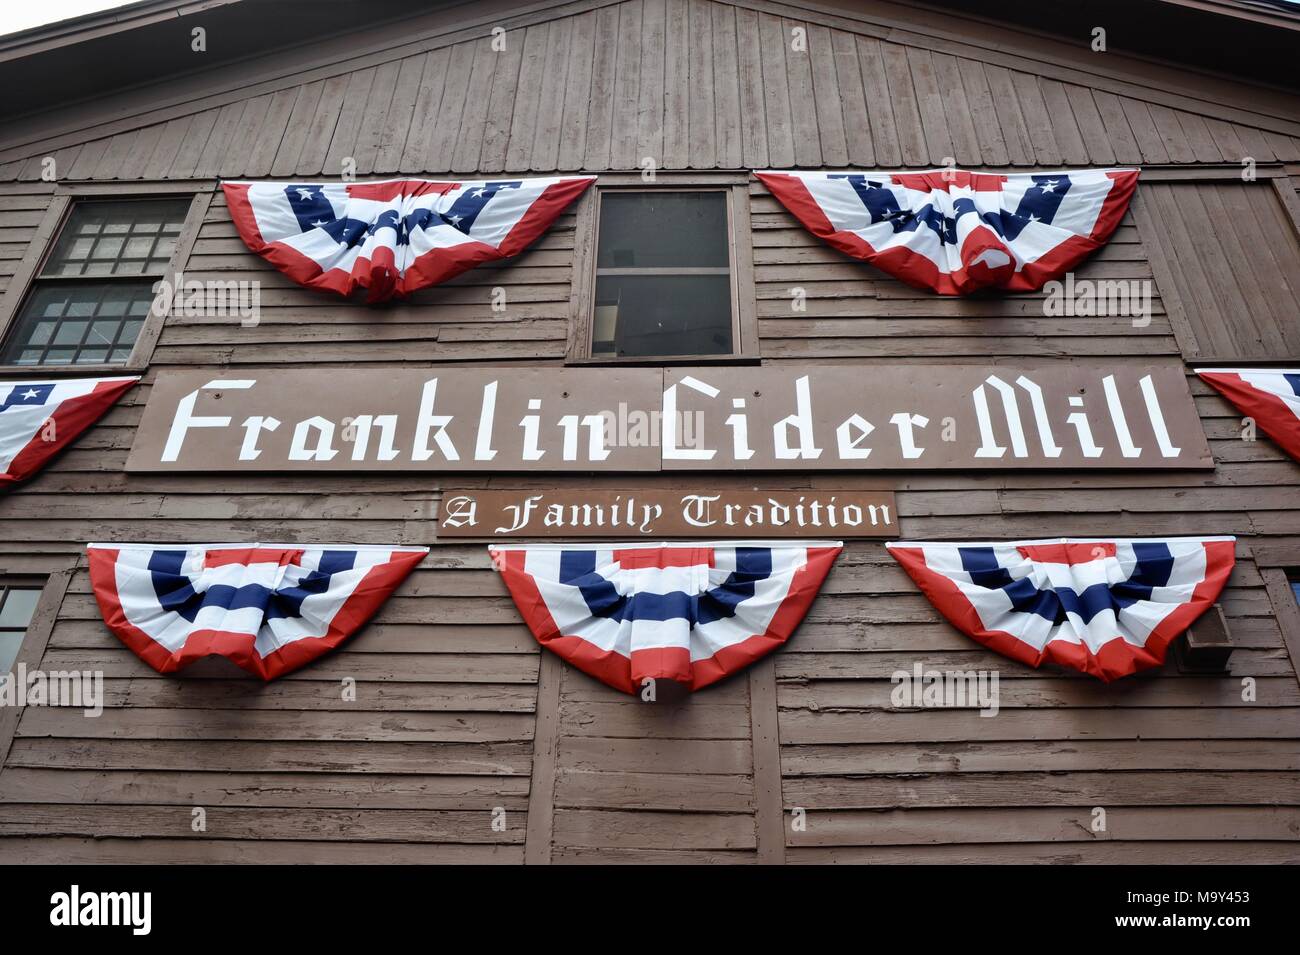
x=1272 y=12
x=101 y=23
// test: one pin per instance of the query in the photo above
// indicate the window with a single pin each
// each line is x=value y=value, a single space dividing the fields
x=92 y=295
x=664 y=274
x=17 y=604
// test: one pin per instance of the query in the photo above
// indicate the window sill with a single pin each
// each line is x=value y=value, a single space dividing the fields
x=9 y=372
x=612 y=361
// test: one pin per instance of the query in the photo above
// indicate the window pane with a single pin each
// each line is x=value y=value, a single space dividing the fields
x=139 y=247
x=70 y=333
x=663 y=230
x=115 y=301
x=18 y=607
x=78 y=322
x=9 y=644
x=662 y=315
x=133 y=237
x=51 y=300
x=102 y=333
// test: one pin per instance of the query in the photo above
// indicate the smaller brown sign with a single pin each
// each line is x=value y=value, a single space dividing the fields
x=659 y=513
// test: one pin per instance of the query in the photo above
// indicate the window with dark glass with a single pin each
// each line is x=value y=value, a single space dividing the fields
x=17 y=604
x=91 y=296
x=663 y=275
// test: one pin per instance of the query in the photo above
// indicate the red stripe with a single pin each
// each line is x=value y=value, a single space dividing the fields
x=661 y=663
x=1072 y=552
x=400 y=189
x=380 y=277
x=1116 y=658
x=220 y=557
x=373 y=589
x=946 y=180
x=637 y=558
x=668 y=663
x=71 y=418
x=1270 y=412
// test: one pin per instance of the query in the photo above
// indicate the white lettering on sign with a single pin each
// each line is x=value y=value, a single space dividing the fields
x=186 y=419
x=660 y=419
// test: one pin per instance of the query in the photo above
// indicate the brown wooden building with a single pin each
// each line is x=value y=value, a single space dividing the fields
x=458 y=712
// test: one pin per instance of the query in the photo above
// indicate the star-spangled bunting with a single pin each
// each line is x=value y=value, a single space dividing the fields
x=40 y=418
x=1108 y=607
x=955 y=231
x=268 y=608
x=1271 y=396
x=692 y=613
x=395 y=236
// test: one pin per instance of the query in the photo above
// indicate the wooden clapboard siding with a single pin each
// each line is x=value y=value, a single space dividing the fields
x=458 y=720
x=666 y=80
x=1241 y=279
x=22 y=212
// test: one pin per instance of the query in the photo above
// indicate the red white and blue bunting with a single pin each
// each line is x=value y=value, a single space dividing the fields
x=395 y=236
x=955 y=231
x=1108 y=607
x=40 y=418
x=268 y=608
x=1271 y=396
x=693 y=613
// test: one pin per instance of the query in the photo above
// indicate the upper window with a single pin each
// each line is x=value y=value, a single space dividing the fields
x=664 y=275
x=90 y=298
x=17 y=604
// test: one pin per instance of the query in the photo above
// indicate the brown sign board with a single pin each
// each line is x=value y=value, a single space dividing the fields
x=1064 y=415
x=660 y=513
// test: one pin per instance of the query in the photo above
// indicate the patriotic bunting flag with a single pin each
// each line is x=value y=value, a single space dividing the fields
x=693 y=613
x=396 y=236
x=1269 y=395
x=269 y=609
x=39 y=418
x=1105 y=607
x=955 y=231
